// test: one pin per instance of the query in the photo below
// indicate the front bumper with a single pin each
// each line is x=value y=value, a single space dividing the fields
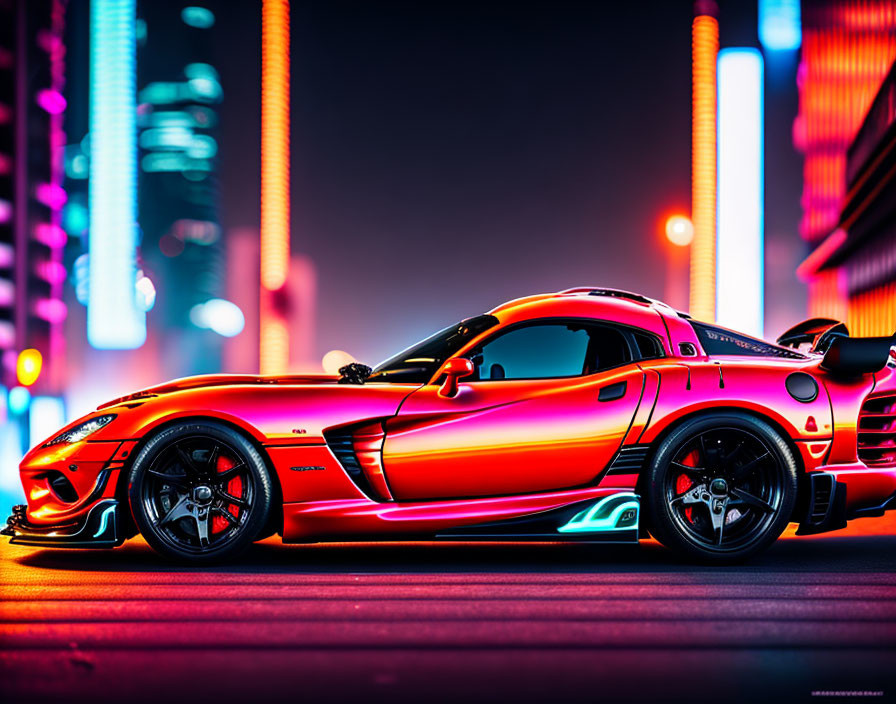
x=99 y=528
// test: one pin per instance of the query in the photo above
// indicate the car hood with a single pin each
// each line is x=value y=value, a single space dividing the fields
x=276 y=410
x=205 y=381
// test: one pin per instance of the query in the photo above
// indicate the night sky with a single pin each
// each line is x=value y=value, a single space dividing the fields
x=449 y=156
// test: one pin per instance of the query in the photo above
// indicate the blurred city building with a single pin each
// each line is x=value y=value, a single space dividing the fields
x=32 y=242
x=177 y=118
x=296 y=301
x=846 y=135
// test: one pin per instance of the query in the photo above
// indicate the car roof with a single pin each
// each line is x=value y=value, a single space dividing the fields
x=608 y=304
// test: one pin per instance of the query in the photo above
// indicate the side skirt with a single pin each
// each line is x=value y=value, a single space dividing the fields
x=610 y=519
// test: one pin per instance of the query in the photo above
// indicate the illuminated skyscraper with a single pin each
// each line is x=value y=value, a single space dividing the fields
x=32 y=274
x=848 y=48
x=182 y=252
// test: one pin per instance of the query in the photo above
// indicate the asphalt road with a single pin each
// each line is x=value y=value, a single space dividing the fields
x=449 y=622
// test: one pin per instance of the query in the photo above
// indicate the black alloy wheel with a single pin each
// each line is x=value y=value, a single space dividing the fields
x=721 y=488
x=200 y=492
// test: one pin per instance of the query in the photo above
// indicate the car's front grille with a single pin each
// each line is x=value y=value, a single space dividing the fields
x=877 y=431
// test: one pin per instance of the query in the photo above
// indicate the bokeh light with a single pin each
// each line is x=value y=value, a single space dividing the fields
x=220 y=316
x=28 y=366
x=680 y=230
x=334 y=360
x=18 y=400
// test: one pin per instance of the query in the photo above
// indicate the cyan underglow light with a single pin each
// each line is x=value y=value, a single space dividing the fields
x=779 y=25
x=612 y=513
x=113 y=319
x=104 y=521
x=739 y=206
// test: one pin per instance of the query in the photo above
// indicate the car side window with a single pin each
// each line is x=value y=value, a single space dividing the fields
x=549 y=351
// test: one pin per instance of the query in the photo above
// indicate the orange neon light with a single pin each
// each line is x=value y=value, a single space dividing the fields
x=273 y=355
x=273 y=334
x=705 y=46
x=274 y=143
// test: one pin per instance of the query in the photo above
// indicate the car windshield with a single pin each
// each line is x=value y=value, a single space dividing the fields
x=419 y=362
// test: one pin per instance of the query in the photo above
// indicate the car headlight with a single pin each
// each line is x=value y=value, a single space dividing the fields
x=79 y=432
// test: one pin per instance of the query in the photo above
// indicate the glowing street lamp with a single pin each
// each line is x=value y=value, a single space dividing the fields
x=680 y=230
x=679 y=233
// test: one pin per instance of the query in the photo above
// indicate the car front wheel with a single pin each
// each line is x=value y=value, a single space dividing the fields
x=200 y=492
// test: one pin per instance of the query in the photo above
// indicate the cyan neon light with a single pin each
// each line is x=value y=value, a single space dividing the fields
x=113 y=319
x=199 y=17
x=104 y=521
x=779 y=25
x=740 y=278
x=616 y=512
x=18 y=400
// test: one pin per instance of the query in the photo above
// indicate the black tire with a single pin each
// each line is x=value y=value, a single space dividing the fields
x=720 y=489
x=183 y=488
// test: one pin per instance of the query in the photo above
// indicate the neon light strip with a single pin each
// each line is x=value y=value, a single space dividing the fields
x=104 y=521
x=273 y=333
x=113 y=319
x=705 y=39
x=56 y=350
x=740 y=255
x=591 y=520
x=274 y=144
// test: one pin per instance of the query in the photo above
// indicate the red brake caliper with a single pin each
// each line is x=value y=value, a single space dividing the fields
x=683 y=482
x=234 y=488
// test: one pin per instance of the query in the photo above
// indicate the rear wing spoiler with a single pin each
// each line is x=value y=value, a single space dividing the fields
x=816 y=332
x=843 y=355
x=854 y=356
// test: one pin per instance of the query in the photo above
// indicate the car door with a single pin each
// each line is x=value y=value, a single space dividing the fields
x=547 y=408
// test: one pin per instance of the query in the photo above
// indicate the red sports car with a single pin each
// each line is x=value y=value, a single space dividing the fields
x=587 y=415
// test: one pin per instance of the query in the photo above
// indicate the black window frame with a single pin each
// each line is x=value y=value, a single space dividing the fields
x=628 y=333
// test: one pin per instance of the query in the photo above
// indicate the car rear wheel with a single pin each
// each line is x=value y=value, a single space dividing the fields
x=721 y=489
x=200 y=492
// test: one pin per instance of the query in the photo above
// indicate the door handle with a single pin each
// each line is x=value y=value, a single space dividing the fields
x=613 y=392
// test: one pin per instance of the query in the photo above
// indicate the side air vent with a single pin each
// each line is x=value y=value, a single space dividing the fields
x=825 y=504
x=877 y=431
x=822 y=492
x=342 y=446
x=629 y=460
